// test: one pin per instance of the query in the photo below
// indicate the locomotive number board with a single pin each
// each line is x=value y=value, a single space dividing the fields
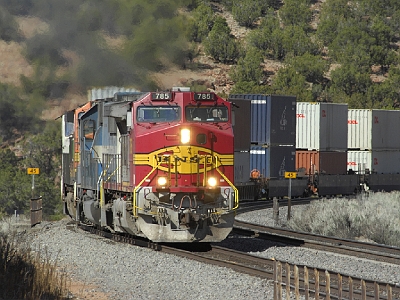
x=204 y=96
x=161 y=96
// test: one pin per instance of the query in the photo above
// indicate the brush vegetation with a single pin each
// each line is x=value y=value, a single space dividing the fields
x=373 y=217
x=24 y=275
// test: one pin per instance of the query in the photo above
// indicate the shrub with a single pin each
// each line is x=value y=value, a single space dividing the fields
x=246 y=12
x=296 y=13
x=202 y=23
x=28 y=277
x=220 y=44
x=249 y=67
x=262 y=37
x=373 y=216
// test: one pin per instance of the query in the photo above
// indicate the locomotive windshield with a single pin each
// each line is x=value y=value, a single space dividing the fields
x=206 y=114
x=158 y=114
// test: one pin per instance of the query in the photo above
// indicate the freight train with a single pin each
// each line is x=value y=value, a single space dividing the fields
x=158 y=165
x=330 y=149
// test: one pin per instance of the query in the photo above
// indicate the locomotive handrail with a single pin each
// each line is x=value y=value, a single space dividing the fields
x=139 y=185
x=229 y=182
x=113 y=173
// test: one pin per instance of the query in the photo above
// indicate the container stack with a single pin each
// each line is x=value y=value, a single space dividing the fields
x=372 y=142
x=321 y=138
x=265 y=135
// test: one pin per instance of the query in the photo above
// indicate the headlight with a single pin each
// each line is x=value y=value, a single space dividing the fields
x=185 y=136
x=162 y=181
x=212 y=182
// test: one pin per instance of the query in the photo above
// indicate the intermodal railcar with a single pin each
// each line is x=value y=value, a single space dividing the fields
x=276 y=134
x=154 y=164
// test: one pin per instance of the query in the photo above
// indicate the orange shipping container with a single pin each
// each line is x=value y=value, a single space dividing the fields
x=327 y=162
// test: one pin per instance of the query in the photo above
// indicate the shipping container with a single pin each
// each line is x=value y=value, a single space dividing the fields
x=242 y=167
x=373 y=129
x=265 y=119
x=107 y=92
x=273 y=161
x=325 y=162
x=241 y=113
x=376 y=161
x=321 y=126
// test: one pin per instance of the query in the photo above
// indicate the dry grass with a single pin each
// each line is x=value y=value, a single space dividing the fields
x=372 y=217
x=24 y=275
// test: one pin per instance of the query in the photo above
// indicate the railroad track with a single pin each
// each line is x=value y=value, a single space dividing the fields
x=311 y=280
x=377 y=252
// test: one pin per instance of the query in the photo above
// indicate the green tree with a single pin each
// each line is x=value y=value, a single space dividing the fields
x=350 y=79
x=333 y=13
x=13 y=184
x=220 y=44
x=201 y=23
x=249 y=87
x=381 y=52
x=386 y=94
x=296 y=13
x=263 y=37
x=312 y=67
x=352 y=42
x=289 y=82
x=249 y=67
x=246 y=12
x=296 y=41
x=15 y=112
x=43 y=151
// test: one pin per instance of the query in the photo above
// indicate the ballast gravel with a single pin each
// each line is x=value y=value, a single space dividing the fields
x=128 y=272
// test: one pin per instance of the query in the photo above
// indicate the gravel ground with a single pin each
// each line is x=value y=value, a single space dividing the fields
x=127 y=272
x=344 y=264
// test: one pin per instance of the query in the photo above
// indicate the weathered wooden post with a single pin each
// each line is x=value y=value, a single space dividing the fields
x=276 y=211
x=35 y=203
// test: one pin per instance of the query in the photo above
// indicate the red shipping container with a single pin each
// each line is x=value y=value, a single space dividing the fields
x=327 y=162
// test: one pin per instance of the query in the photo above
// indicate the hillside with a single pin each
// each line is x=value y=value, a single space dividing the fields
x=202 y=70
x=353 y=58
x=13 y=65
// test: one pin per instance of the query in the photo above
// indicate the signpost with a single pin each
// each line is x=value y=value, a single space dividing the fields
x=33 y=172
x=36 y=203
x=290 y=175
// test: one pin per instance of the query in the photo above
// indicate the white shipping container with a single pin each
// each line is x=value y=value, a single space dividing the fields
x=373 y=129
x=321 y=126
x=382 y=162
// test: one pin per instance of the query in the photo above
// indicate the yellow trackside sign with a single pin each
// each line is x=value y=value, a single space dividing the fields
x=290 y=175
x=33 y=171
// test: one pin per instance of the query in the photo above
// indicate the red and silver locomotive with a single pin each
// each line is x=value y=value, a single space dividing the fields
x=156 y=164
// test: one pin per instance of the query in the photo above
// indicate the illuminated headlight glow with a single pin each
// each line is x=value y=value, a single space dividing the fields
x=212 y=182
x=185 y=136
x=162 y=181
